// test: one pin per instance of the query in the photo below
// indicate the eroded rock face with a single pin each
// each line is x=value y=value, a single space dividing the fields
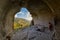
x=32 y=33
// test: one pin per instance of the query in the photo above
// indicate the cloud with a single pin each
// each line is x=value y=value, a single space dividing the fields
x=29 y=17
x=24 y=13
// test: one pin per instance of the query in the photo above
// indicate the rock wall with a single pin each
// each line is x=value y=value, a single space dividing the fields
x=3 y=4
x=43 y=19
x=7 y=16
x=57 y=37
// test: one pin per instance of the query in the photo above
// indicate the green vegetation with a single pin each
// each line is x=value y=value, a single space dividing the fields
x=20 y=23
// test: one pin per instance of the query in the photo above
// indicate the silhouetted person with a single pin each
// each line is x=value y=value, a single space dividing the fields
x=50 y=26
x=32 y=23
x=8 y=38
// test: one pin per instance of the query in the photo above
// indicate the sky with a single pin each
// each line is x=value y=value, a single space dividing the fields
x=24 y=13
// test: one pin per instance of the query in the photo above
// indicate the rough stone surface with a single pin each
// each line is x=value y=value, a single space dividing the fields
x=55 y=4
x=32 y=33
x=58 y=31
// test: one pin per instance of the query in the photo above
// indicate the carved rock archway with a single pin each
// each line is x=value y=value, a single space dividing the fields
x=8 y=17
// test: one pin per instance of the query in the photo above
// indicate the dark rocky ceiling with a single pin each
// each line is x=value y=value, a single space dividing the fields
x=52 y=5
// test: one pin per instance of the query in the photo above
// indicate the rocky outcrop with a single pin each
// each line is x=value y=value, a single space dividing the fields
x=36 y=32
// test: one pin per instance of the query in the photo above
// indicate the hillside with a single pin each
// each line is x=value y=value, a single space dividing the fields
x=20 y=23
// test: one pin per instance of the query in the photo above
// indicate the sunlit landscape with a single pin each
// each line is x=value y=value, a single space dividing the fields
x=22 y=19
